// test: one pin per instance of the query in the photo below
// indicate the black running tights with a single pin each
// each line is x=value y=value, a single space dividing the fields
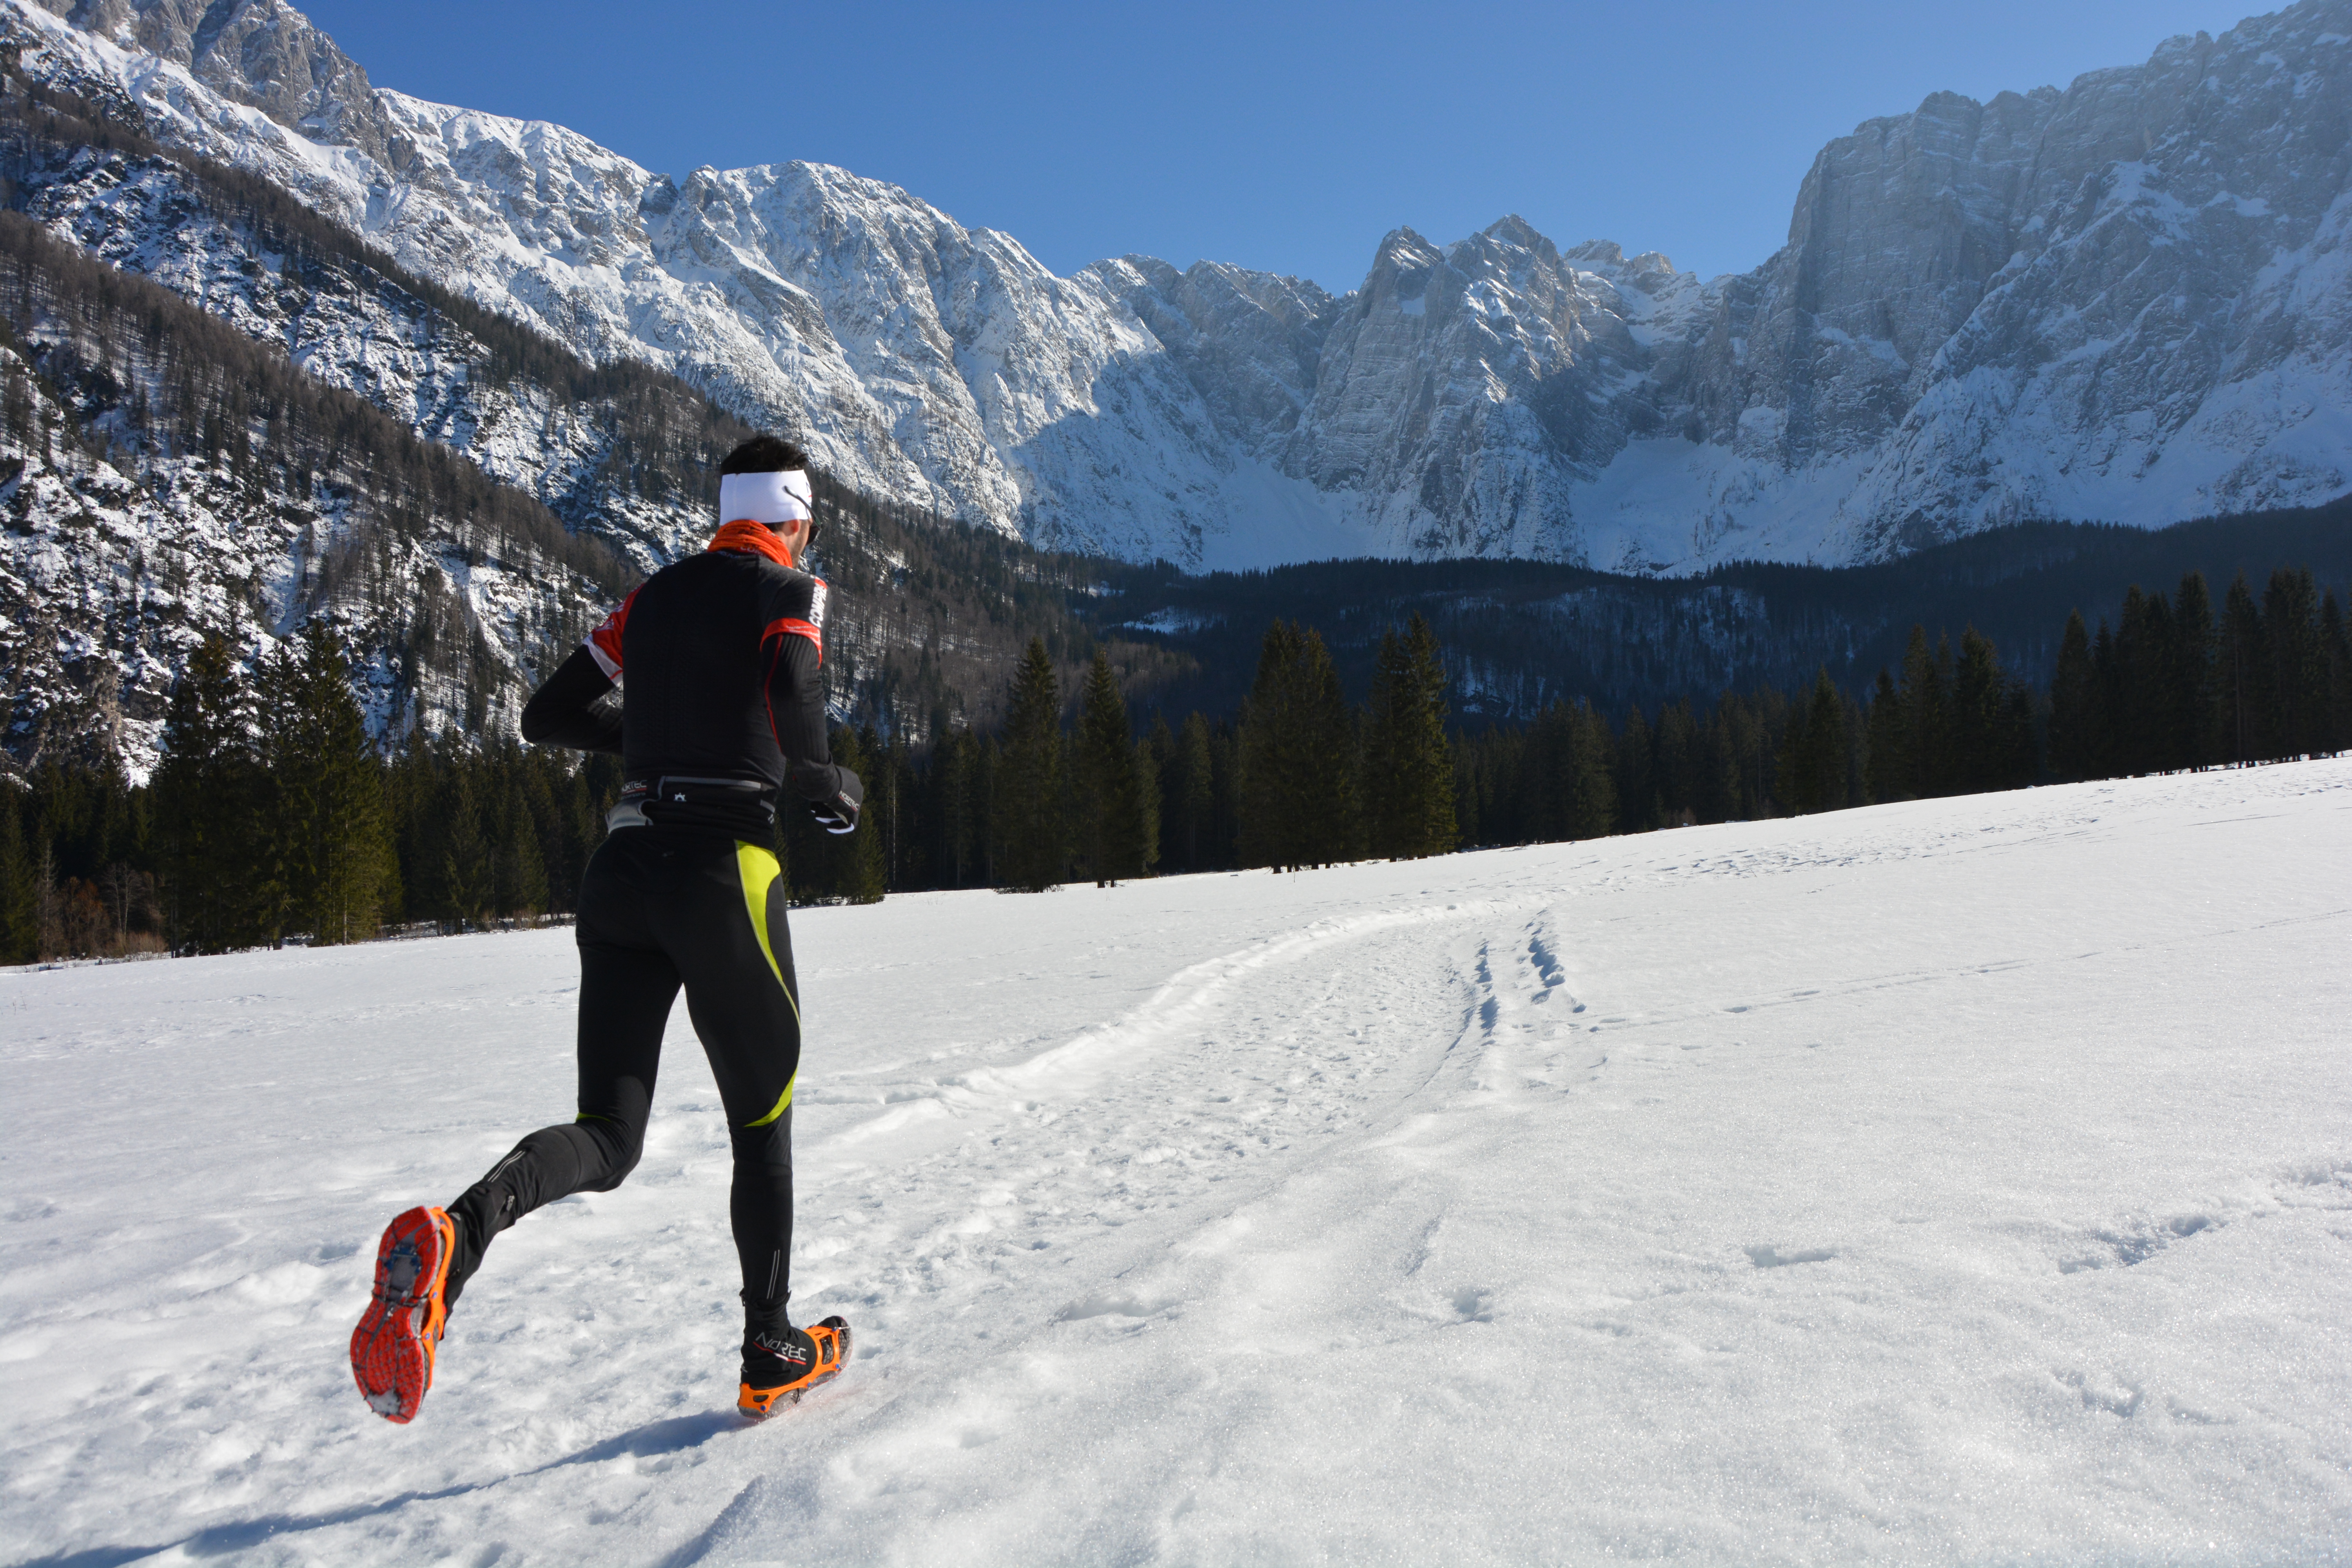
x=660 y=909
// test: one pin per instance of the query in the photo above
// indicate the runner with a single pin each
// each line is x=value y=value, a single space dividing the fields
x=722 y=708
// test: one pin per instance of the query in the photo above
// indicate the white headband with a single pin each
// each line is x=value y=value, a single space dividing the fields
x=781 y=497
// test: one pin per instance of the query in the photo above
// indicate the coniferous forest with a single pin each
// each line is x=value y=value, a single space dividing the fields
x=274 y=817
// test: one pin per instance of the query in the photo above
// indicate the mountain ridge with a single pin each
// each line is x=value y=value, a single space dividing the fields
x=176 y=326
x=2125 y=300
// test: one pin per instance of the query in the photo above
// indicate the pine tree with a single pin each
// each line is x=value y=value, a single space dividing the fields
x=2298 y=662
x=2241 y=672
x=2143 y=661
x=207 y=786
x=1297 y=767
x=1223 y=831
x=1812 y=766
x=1333 y=823
x=1677 y=766
x=1567 y=789
x=522 y=894
x=1979 y=748
x=1857 y=751
x=1407 y=787
x=1192 y=802
x=1029 y=829
x=1424 y=759
x=2194 y=720
x=1637 y=795
x=1474 y=773
x=1381 y=790
x=49 y=906
x=413 y=797
x=987 y=771
x=948 y=805
x=2074 y=698
x=2014 y=742
x=1114 y=800
x=540 y=782
x=862 y=868
x=327 y=817
x=1164 y=763
x=1542 y=782
x=1593 y=788
x=1928 y=732
x=1148 y=807
x=19 y=926
x=1273 y=774
x=269 y=872
x=2108 y=701
x=2337 y=645
x=903 y=862
x=1889 y=768
x=466 y=882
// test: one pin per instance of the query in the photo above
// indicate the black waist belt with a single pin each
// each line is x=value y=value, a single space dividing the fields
x=743 y=807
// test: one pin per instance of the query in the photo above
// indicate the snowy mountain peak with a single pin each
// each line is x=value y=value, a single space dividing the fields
x=262 y=53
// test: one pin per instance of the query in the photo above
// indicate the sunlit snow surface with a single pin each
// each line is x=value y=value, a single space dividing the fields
x=1961 y=1181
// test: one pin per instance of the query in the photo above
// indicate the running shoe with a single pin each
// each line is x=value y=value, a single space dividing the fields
x=391 y=1350
x=779 y=1367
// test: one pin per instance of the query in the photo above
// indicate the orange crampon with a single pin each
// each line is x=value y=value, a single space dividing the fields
x=829 y=1343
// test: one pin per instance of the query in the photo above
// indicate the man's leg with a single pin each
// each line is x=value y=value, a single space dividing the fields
x=626 y=986
x=737 y=958
x=427 y=1255
x=759 y=1205
x=625 y=1002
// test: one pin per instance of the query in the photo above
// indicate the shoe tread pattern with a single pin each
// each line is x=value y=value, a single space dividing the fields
x=393 y=1346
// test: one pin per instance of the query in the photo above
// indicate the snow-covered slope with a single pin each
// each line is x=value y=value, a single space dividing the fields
x=2127 y=300
x=1958 y=1181
x=146 y=216
x=111 y=573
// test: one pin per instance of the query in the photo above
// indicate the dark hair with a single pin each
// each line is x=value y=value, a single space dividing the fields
x=764 y=455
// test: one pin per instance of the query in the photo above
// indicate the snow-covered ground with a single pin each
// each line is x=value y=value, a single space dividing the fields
x=1962 y=1181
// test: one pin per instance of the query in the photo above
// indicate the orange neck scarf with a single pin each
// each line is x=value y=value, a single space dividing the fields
x=754 y=536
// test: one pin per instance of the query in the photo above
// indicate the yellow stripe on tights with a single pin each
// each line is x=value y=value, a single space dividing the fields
x=760 y=871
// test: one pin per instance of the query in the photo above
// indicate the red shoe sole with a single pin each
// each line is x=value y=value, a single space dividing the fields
x=392 y=1349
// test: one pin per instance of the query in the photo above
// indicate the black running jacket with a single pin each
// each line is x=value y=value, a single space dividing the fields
x=718 y=660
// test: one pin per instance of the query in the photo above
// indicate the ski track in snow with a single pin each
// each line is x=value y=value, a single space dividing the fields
x=1955 y=1181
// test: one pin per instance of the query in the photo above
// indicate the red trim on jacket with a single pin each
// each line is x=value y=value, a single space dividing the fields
x=790 y=627
x=603 y=644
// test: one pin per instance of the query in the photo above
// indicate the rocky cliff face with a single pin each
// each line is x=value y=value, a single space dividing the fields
x=2129 y=300
x=261 y=53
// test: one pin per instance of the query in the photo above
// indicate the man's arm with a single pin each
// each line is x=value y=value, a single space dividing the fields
x=574 y=708
x=796 y=713
x=795 y=646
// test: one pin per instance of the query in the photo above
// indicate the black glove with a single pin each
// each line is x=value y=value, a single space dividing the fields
x=839 y=814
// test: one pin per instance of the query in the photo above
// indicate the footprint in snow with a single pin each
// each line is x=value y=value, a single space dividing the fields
x=2129 y=1247
x=1773 y=1258
x=1472 y=1305
x=1112 y=1305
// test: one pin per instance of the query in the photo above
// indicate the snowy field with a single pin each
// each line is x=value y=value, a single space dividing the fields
x=1966 y=1181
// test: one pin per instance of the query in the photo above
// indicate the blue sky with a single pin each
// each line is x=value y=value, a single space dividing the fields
x=1284 y=137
